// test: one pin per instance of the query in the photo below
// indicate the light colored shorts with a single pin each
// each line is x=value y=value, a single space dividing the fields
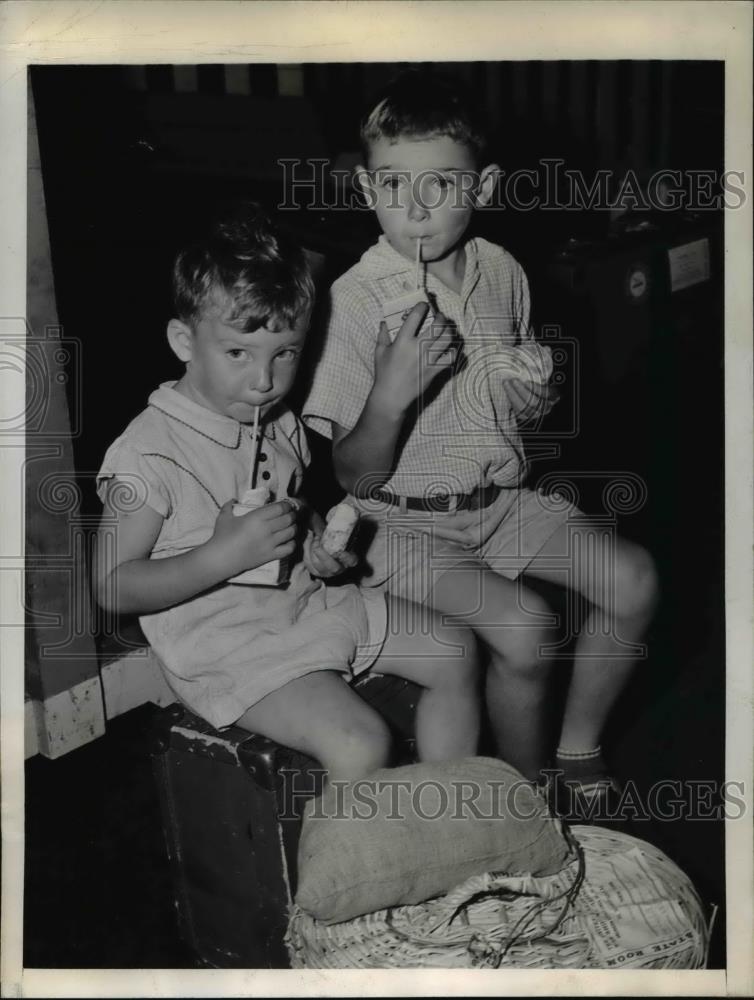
x=225 y=649
x=410 y=550
x=370 y=647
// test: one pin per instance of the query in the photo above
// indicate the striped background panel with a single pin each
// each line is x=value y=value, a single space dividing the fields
x=623 y=111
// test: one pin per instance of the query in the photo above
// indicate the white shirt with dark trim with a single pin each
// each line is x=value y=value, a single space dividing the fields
x=226 y=648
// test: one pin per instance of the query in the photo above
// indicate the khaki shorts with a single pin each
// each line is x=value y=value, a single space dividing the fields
x=410 y=550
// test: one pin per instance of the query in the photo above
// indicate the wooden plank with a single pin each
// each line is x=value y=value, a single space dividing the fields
x=639 y=141
x=237 y=79
x=607 y=112
x=61 y=656
x=185 y=78
x=550 y=91
x=290 y=80
x=577 y=106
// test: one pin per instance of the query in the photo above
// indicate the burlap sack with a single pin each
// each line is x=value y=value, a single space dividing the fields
x=619 y=903
x=408 y=834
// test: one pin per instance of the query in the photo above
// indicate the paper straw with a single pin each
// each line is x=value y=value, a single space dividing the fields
x=254 y=448
x=418 y=260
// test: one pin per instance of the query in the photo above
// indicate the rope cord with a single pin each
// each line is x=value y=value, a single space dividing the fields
x=569 y=895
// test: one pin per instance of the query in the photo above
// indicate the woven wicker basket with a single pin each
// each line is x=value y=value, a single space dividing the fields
x=620 y=903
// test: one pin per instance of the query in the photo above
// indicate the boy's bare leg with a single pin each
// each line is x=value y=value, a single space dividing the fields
x=321 y=716
x=516 y=704
x=618 y=578
x=515 y=625
x=443 y=659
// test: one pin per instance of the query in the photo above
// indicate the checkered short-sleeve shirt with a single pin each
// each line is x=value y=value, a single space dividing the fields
x=464 y=431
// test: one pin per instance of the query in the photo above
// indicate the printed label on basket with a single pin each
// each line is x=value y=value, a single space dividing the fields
x=625 y=930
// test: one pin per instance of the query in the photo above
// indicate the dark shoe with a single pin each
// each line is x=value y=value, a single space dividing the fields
x=594 y=801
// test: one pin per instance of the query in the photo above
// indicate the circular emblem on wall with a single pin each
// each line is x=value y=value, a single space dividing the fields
x=637 y=282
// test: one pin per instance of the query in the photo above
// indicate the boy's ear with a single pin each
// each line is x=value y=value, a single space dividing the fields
x=181 y=339
x=488 y=179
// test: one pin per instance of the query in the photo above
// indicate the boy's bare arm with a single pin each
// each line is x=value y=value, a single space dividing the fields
x=365 y=456
x=126 y=580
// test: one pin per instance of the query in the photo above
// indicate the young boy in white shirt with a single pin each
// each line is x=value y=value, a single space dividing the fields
x=425 y=430
x=272 y=659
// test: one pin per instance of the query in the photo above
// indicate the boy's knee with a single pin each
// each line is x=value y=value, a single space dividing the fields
x=457 y=673
x=355 y=753
x=636 y=583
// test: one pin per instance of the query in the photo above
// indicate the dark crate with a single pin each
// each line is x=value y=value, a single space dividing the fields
x=231 y=805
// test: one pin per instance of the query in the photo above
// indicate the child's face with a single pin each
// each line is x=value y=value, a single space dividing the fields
x=231 y=372
x=424 y=187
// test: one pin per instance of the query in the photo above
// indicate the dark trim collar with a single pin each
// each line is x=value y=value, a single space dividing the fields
x=221 y=430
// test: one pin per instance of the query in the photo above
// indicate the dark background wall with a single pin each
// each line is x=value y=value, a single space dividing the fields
x=133 y=157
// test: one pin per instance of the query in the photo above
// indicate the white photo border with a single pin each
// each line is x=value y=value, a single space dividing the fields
x=150 y=31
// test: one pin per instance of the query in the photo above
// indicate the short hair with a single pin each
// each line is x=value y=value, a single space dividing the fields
x=424 y=103
x=244 y=268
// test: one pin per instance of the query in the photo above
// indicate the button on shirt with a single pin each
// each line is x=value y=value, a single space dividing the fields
x=226 y=648
x=463 y=433
x=185 y=462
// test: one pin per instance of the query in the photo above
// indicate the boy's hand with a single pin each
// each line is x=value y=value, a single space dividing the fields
x=407 y=367
x=316 y=559
x=321 y=563
x=253 y=539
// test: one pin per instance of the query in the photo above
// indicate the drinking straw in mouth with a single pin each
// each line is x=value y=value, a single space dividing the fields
x=418 y=260
x=255 y=448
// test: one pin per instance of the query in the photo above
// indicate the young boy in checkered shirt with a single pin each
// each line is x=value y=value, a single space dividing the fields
x=426 y=439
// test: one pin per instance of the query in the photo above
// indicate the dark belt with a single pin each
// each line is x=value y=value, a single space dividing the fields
x=478 y=499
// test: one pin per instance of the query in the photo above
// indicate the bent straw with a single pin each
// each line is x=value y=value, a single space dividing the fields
x=418 y=260
x=255 y=449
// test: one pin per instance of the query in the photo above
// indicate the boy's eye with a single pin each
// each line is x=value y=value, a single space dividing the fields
x=391 y=182
x=289 y=354
x=440 y=182
x=236 y=353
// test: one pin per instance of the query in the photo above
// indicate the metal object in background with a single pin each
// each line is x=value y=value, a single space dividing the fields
x=641 y=285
